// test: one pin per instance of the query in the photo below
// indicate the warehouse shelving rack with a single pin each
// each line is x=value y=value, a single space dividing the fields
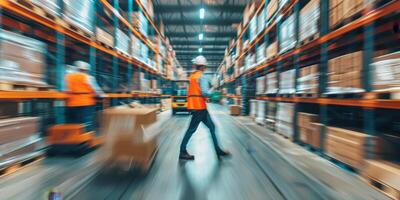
x=362 y=31
x=15 y=15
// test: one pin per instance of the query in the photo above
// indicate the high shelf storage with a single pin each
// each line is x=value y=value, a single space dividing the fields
x=129 y=54
x=330 y=67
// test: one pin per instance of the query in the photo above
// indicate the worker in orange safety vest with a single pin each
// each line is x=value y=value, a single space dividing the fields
x=198 y=92
x=82 y=90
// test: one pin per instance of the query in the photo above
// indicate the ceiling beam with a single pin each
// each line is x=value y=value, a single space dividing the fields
x=204 y=53
x=196 y=34
x=195 y=8
x=206 y=21
x=196 y=42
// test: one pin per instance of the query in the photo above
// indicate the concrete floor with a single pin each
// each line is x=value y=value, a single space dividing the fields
x=263 y=166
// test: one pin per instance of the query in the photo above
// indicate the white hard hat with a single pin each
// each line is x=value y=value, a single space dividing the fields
x=200 y=60
x=82 y=65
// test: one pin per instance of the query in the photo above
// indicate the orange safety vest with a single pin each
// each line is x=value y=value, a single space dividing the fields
x=80 y=91
x=195 y=99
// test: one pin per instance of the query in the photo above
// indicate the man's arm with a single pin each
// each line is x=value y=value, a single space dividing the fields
x=205 y=87
x=95 y=86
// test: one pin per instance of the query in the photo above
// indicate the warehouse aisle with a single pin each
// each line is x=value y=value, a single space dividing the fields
x=257 y=170
x=254 y=172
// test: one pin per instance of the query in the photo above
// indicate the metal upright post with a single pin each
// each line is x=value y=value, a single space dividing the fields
x=130 y=67
x=323 y=65
x=115 y=74
x=59 y=109
x=296 y=63
x=368 y=53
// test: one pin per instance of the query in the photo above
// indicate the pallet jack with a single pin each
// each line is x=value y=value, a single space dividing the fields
x=71 y=138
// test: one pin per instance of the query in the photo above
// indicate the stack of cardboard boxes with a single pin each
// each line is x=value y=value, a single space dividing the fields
x=339 y=10
x=309 y=20
x=51 y=6
x=309 y=129
x=19 y=136
x=140 y=22
x=308 y=80
x=386 y=72
x=271 y=115
x=22 y=59
x=130 y=135
x=287 y=82
x=235 y=110
x=386 y=173
x=344 y=73
x=104 y=37
x=272 y=7
x=351 y=147
x=284 y=119
x=272 y=50
x=261 y=21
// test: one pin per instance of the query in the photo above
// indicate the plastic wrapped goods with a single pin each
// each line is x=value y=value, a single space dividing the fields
x=22 y=58
x=284 y=119
x=272 y=83
x=261 y=111
x=261 y=21
x=308 y=80
x=122 y=41
x=287 y=82
x=81 y=13
x=260 y=85
x=104 y=37
x=287 y=36
x=309 y=18
x=253 y=108
x=253 y=28
x=50 y=5
x=386 y=72
x=260 y=53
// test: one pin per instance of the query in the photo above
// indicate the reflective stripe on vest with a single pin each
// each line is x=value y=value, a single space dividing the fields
x=195 y=100
x=80 y=91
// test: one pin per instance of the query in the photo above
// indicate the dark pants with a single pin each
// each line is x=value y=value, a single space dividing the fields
x=197 y=117
x=81 y=115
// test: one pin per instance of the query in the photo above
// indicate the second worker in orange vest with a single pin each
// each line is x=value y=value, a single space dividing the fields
x=82 y=90
x=198 y=92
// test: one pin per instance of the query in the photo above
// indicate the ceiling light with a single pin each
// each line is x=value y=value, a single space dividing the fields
x=201 y=36
x=202 y=13
x=200 y=50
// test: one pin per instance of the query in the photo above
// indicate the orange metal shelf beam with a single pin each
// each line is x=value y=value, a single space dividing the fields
x=365 y=103
x=31 y=95
x=57 y=27
x=23 y=95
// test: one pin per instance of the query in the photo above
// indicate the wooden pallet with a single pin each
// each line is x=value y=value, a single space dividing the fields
x=13 y=167
x=285 y=95
x=341 y=164
x=344 y=95
x=286 y=137
x=77 y=30
x=383 y=95
x=309 y=39
x=382 y=187
x=39 y=10
x=307 y=95
x=8 y=86
x=104 y=45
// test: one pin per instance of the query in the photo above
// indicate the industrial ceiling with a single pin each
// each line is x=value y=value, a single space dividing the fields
x=184 y=24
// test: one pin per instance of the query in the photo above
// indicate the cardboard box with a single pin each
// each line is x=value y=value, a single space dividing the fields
x=385 y=172
x=17 y=128
x=104 y=37
x=235 y=110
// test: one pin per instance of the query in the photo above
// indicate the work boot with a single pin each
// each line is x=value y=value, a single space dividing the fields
x=221 y=153
x=184 y=155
